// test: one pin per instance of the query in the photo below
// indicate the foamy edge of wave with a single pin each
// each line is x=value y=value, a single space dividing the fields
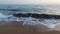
x=29 y=20
x=33 y=21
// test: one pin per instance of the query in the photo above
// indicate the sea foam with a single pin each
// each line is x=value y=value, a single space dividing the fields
x=50 y=23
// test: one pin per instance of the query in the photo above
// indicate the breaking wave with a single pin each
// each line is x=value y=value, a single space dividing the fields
x=50 y=23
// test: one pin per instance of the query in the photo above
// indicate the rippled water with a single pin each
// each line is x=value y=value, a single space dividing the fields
x=45 y=9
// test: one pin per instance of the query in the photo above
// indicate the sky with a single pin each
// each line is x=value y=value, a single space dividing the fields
x=29 y=1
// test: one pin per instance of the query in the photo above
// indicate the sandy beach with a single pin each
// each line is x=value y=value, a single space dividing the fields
x=17 y=28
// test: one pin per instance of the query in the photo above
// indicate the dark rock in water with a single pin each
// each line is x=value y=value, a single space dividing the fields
x=33 y=15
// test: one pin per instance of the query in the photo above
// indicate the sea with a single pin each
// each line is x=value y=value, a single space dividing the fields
x=7 y=11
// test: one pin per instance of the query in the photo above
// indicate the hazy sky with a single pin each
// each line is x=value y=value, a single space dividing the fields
x=29 y=1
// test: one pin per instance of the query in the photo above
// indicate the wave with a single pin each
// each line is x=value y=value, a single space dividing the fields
x=10 y=10
x=21 y=9
x=34 y=15
x=50 y=23
x=48 y=20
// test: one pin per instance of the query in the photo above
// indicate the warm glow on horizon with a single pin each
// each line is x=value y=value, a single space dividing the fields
x=29 y=1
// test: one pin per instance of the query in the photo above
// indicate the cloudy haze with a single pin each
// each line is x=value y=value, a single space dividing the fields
x=29 y=1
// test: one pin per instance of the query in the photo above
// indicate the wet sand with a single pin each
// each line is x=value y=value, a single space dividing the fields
x=57 y=27
x=17 y=28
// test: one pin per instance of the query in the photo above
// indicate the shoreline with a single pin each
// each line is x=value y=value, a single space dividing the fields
x=17 y=28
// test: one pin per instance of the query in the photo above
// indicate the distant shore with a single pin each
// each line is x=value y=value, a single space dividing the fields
x=17 y=28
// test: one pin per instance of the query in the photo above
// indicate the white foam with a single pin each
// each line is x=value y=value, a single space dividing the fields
x=50 y=23
x=3 y=16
